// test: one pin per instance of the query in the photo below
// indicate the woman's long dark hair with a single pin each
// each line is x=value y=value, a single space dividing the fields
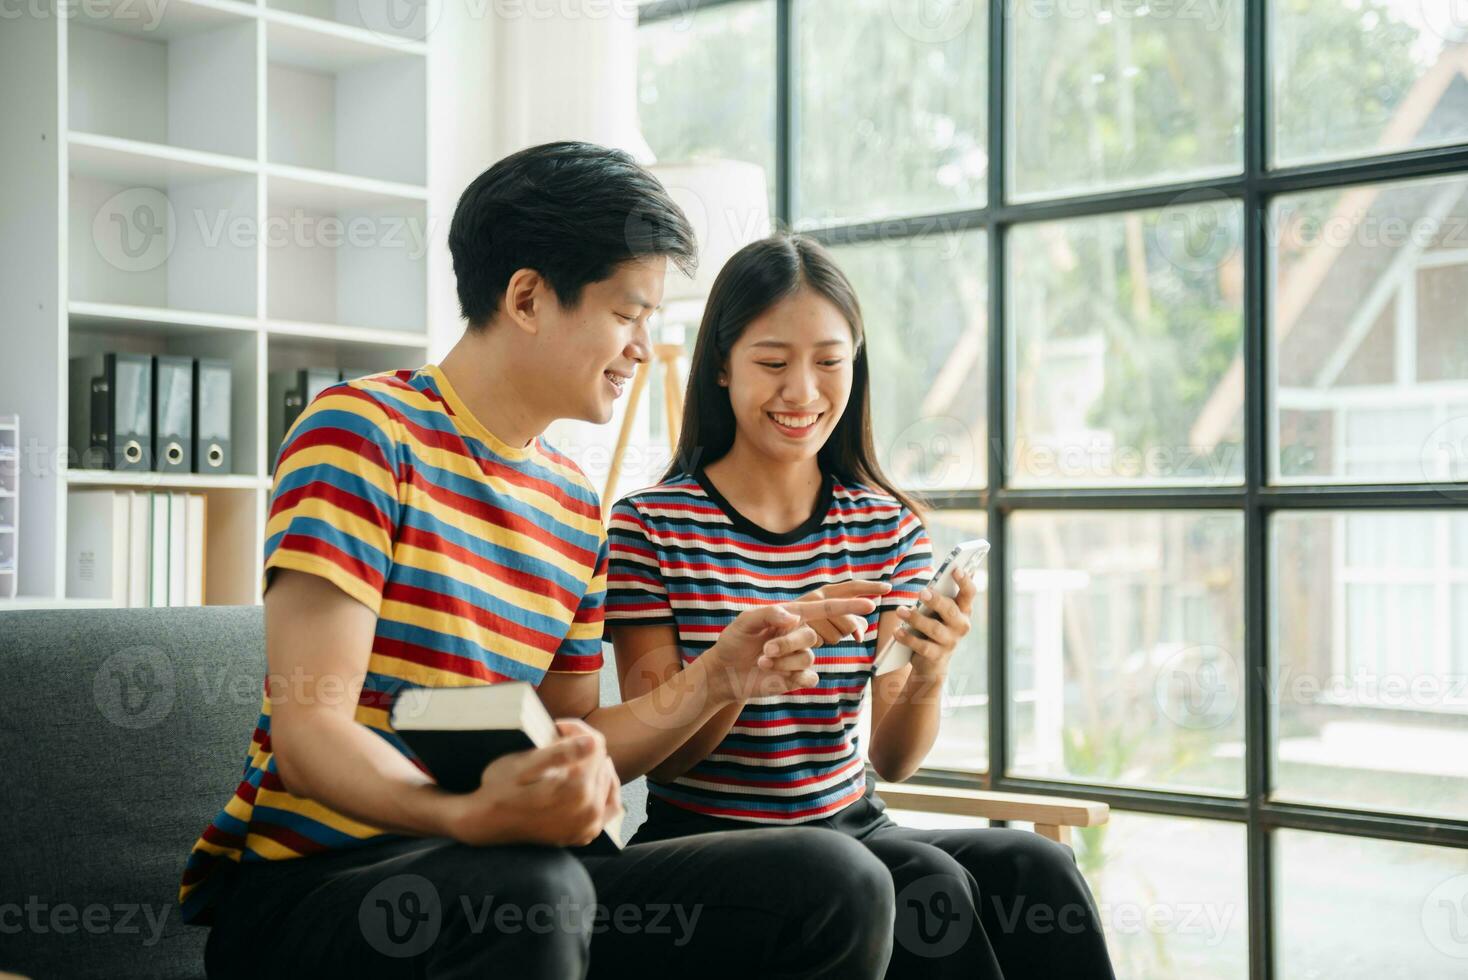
x=758 y=276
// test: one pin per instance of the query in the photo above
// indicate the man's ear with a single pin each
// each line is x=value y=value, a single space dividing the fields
x=522 y=299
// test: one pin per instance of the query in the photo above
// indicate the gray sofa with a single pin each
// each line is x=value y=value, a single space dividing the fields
x=121 y=734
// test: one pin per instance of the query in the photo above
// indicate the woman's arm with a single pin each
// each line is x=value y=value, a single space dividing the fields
x=650 y=666
x=907 y=702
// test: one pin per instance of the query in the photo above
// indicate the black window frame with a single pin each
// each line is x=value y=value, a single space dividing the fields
x=1255 y=188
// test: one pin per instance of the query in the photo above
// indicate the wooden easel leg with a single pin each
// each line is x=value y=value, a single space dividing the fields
x=624 y=435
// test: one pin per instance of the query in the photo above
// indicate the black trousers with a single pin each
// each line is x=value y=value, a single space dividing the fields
x=986 y=904
x=794 y=902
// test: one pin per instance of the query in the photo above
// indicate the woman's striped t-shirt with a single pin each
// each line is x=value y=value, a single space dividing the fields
x=682 y=556
x=484 y=562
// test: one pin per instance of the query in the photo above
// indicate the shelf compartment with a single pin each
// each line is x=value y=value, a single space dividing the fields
x=336 y=258
x=342 y=102
x=232 y=530
x=159 y=228
x=239 y=347
x=183 y=74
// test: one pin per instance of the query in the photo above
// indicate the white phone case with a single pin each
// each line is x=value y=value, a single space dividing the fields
x=966 y=556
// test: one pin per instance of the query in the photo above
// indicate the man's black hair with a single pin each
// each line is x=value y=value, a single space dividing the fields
x=572 y=212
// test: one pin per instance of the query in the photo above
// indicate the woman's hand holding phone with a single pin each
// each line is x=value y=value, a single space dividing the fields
x=933 y=629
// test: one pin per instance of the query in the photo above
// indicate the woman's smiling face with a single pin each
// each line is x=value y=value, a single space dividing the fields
x=789 y=377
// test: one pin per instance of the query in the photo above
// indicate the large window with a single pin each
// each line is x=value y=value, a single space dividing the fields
x=1170 y=302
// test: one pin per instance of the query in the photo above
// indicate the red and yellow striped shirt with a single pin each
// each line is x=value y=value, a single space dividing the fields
x=483 y=562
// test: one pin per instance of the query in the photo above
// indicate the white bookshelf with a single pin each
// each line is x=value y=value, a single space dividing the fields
x=268 y=164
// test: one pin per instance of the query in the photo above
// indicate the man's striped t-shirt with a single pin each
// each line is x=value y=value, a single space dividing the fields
x=682 y=556
x=484 y=562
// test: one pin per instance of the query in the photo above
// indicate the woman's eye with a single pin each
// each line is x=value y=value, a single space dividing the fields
x=835 y=362
x=772 y=364
x=624 y=316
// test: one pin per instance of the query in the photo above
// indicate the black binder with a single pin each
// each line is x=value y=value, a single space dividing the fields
x=212 y=448
x=111 y=408
x=290 y=393
x=173 y=414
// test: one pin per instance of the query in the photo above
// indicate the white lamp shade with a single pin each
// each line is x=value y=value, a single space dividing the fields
x=728 y=204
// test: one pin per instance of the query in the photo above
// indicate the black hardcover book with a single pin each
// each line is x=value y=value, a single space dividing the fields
x=457 y=731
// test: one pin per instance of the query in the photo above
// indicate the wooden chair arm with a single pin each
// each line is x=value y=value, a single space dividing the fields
x=1053 y=816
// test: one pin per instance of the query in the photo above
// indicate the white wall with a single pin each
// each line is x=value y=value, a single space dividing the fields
x=507 y=74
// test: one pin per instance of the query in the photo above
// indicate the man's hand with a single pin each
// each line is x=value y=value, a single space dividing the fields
x=767 y=651
x=561 y=795
x=835 y=630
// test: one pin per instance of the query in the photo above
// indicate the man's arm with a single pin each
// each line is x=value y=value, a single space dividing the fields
x=669 y=715
x=764 y=652
x=318 y=641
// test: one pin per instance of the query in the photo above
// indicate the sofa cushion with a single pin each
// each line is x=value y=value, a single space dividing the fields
x=122 y=733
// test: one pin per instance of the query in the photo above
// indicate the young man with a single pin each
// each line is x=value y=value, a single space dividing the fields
x=422 y=533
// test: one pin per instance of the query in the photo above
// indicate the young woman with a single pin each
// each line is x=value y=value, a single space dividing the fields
x=776 y=493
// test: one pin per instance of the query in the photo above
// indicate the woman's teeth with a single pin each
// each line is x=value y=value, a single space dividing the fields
x=795 y=421
x=617 y=381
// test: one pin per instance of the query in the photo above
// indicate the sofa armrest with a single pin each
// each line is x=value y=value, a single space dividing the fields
x=1053 y=816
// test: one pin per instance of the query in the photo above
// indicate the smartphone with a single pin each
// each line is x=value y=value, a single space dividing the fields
x=966 y=557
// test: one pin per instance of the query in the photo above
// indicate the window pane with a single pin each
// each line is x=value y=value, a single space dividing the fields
x=1172 y=895
x=706 y=85
x=1371 y=652
x=1126 y=347
x=1354 y=77
x=891 y=107
x=963 y=736
x=1112 y=94
x=1125 y=640
x=1370 y=354
x=1348 y=908
x=925 y=303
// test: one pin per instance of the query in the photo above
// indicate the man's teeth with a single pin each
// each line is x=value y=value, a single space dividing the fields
x=795 y=421
x=616 y=380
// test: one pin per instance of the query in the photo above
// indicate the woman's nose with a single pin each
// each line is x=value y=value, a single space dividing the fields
x=800 y=387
